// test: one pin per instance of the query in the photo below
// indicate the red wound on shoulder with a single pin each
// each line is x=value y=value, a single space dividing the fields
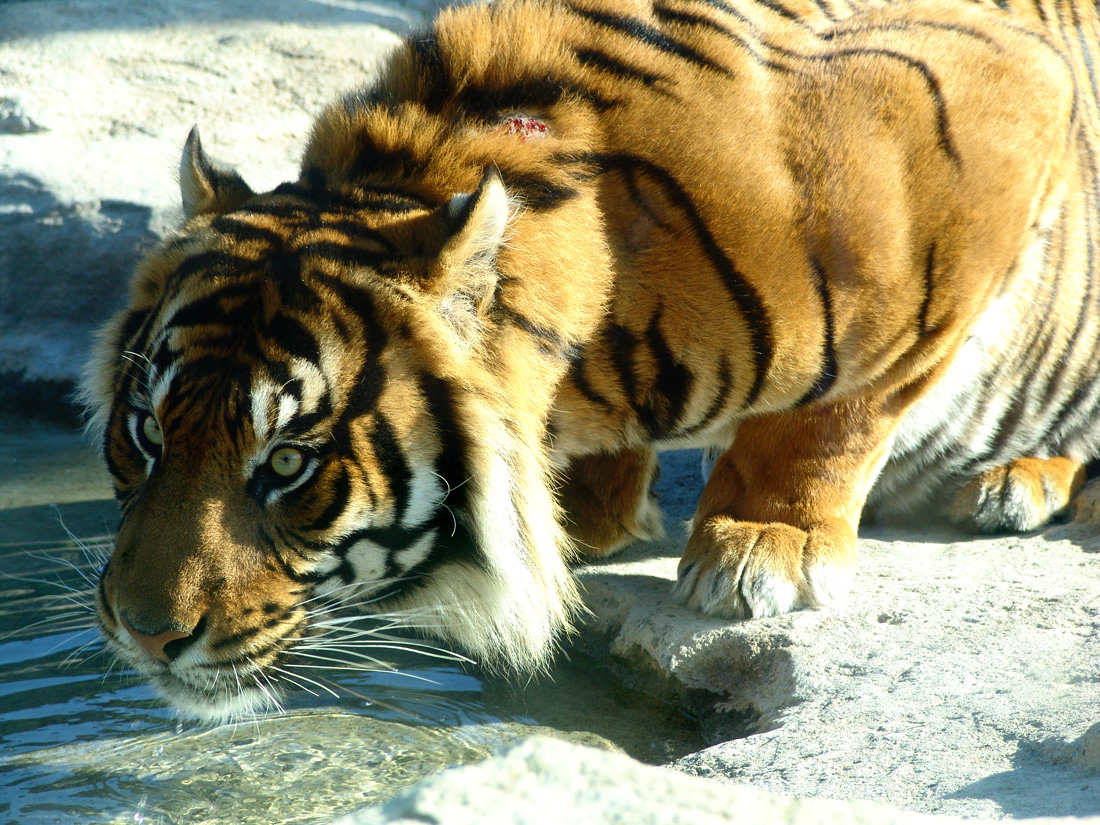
x=524 y=126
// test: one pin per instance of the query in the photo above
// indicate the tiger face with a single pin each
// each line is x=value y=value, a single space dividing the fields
x=281 y=422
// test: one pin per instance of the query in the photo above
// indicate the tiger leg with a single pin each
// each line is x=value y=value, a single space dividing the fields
x=607 y=500
x=775 y=529
x=1019 y=496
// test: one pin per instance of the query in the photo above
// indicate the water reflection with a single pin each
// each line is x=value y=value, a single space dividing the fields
x=80 y=742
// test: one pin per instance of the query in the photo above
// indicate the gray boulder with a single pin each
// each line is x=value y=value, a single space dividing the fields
x=548 y=782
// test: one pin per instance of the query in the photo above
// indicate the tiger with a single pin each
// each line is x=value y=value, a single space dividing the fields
x=849 y=247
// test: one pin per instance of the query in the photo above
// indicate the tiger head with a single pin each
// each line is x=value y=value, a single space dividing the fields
x=298 y=415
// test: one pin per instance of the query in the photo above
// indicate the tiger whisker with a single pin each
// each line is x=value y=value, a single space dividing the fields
x=377 y=663
x=75 y=656
x=367 y=638
x=420 y=650
x=269 y=690
x=378 y=702
x=63 y=623
x=284 y=677
x=290 y=674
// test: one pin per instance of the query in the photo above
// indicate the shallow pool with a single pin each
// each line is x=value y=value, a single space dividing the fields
x=82 y=741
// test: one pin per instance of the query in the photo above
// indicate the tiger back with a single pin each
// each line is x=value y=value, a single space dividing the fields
x=838 y=245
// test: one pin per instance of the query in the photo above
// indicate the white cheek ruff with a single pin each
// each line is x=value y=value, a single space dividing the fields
x=508 y=606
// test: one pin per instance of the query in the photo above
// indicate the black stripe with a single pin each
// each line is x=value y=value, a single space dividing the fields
x=453 y=466
x=549 y=342
x=135 y=319
x=394 y=465
x=360 y=302
x=360 y=232
x=536 y=191
x=725 y=385
x=426 y=52
x=673 y=381
x=669 y=15
x=339 y=494
x=593 y=59
x=726 y=8
x=162 y=360
x=1088 y=302
x=844 y=30
x=488 y=102
x=397 y=162
x=636 y=29
x=1086 y=55
x=580 y=381
x=741 y=292
x=345 y=255
x=631 y=179
x=213 y=308
x=779 y=9
x=929 y=288
x=930 y=79
x=621 y=344
x=235 y=639
x=1036 y=350
x=211 y=264
x=290 y=335
x=241 y=231
x=829 y=367
x=287 y=211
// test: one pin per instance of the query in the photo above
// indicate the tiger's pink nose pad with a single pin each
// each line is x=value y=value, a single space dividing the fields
x=154 y=645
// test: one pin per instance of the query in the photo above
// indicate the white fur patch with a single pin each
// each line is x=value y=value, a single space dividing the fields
x=415 y=553
x=368 y=560
x=425 y=494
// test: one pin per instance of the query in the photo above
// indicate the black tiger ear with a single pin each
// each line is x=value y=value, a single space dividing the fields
x=477 y=226
x=207 y=186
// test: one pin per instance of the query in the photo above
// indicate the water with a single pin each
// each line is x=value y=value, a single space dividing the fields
x=83 y=742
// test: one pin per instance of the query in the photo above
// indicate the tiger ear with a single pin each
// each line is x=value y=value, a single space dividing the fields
x=207 y=186
x=476 y=222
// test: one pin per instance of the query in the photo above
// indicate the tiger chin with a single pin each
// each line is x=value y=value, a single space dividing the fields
x=850 y=250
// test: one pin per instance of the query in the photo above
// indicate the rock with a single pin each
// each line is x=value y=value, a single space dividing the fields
x=951 y=680
x=96 y=99
x=546 y=781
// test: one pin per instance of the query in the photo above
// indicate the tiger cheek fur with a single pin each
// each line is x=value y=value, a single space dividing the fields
x=850 y=249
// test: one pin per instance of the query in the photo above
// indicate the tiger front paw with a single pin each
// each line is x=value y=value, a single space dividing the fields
x=737 y=570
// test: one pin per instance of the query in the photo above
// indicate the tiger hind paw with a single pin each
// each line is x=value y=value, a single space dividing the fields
x=1019 y=496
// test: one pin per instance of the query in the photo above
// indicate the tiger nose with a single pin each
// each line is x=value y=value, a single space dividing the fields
x=155 y=643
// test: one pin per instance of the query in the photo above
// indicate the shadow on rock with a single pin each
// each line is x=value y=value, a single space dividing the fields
x=64 y=269
x=1069 y=786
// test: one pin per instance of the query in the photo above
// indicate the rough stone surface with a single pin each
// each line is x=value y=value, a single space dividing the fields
x=963 y=674
x=547 y=781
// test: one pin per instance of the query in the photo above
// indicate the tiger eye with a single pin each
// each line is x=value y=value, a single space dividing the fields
x=151 y=430
x=286 y=461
